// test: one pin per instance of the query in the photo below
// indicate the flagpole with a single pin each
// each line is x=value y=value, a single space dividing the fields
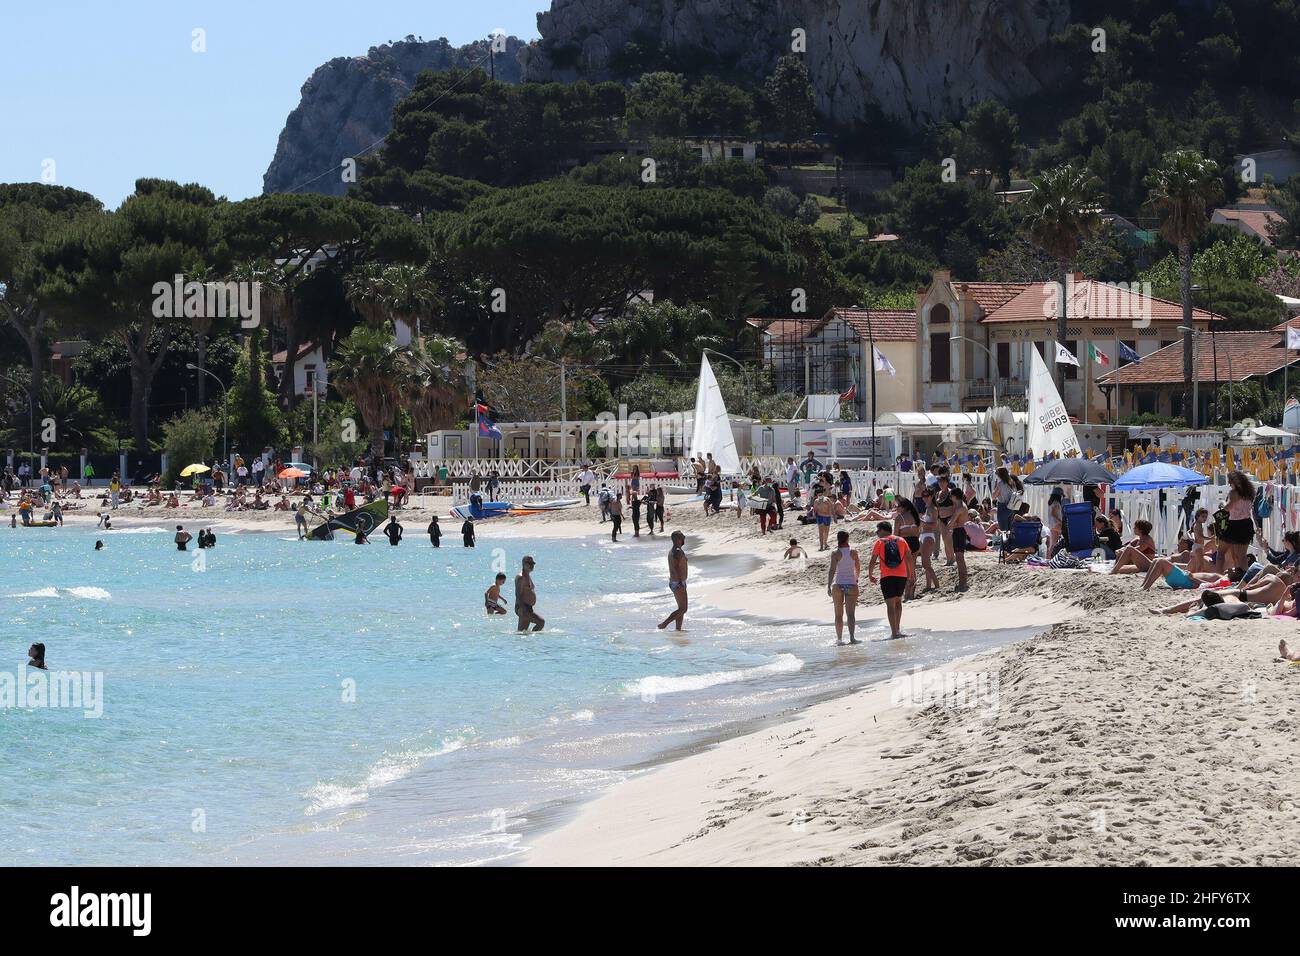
x=871 y=339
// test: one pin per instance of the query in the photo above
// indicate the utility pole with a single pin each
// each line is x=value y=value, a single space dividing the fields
x=564 y=411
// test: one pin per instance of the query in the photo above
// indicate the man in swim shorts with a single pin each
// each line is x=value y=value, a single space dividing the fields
x=526 y=597
x=892 y=555
x=677 y=570
x=493 y=602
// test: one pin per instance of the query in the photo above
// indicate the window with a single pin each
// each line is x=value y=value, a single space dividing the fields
x=1072 y=371
x=939 y=315
x=737 y=152
x=940 y=357
x=1004 y=360
x=1128 y=343
x=1042 y=350
x=1146 y=402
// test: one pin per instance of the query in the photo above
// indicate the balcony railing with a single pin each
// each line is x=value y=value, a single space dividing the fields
x=983 y=391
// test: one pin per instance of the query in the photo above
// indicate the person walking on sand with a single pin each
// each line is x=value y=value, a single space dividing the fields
x=677 y=571
x=435 y=533
x=526 y=597
x=183 y=537
x=586 y=479
x=896 y=573
x=842 y=586
x=616 y=516
x=824 y=509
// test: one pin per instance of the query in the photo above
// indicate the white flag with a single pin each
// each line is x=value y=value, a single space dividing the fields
x=1064 y=356
x=884 y=365
x=1292 y=337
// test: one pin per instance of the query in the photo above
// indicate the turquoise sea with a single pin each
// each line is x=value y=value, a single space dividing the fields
x=287 y=702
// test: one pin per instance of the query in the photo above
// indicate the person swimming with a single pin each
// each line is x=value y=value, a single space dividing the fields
x=99 y=546
x=36 y=656
x=493 y=602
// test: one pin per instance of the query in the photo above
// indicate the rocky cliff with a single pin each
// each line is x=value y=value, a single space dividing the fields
x=347 y=104
x=917 y=59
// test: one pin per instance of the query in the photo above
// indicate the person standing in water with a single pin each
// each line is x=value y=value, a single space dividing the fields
x=896 y=573
x=393 y=532
x=300 y=519
x=842 y=586
x=616 y=515
x=493 y=602
x=467 y=533
x=183 y=537
x=435 y=533
x=526 y=597
x=677 y=571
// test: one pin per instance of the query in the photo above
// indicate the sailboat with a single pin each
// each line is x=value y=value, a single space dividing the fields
x=1050 y=429
x=711 y=428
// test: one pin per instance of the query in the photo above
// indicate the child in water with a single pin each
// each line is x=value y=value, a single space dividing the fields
x=493 y=602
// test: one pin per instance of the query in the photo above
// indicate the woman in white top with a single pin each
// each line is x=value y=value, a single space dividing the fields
x=842 y=586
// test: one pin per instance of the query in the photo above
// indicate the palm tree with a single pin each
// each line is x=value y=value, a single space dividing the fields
x=371 y=371
x=79 y=415
x=435 y=386
x=1183 y=188
x=1063 y=209
x=661 y=334
x=401 y=293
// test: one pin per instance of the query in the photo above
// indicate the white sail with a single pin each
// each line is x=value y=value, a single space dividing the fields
x=1049 y=423
x=711 y=428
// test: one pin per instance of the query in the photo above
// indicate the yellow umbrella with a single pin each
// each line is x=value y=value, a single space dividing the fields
x=195 y=469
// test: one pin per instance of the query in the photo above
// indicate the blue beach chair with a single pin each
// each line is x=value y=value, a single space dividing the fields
x=1080 y=536
x=1022 y=536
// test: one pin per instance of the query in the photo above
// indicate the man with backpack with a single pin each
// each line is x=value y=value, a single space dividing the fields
x=891 y=553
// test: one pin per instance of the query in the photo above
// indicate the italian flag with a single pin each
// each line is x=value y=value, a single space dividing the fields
x=1096 y=356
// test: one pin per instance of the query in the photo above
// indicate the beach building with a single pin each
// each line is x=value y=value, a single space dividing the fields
x=309 y=367
x=974 y=337
x=832 y=356
x=1157 y=384
x=1252 y=219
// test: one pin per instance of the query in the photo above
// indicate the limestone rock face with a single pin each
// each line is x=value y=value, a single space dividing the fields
x=347 y=104
x=919 y=60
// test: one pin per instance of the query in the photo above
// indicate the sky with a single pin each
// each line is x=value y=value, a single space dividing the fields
x=111 y=90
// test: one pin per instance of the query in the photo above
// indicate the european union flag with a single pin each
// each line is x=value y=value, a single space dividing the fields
x=1127 y=354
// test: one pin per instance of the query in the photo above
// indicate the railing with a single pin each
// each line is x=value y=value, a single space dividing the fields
x=980 y=391
x=525 y=468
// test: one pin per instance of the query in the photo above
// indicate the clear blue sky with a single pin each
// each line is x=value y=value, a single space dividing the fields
x=111 y=91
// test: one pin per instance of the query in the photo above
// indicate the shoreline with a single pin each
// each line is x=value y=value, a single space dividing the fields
x=1118 y=737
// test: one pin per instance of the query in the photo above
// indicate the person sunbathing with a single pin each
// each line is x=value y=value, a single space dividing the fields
x=1265 y=588
x=1198 y=604
x=283 y=504
x=1288 y=654
x=1187 y=575
x=1136 y=556
x=173 y=501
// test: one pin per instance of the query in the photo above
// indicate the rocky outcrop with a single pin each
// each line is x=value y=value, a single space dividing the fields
x=347 y=104
x=918 y=60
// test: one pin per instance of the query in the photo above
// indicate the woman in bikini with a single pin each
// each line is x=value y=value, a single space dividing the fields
x=1137 y=556
x=907 y=525
x=929 y=537
x=1240 y=531
x=944 y=504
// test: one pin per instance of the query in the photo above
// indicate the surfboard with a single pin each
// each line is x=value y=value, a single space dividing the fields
x=364 y=519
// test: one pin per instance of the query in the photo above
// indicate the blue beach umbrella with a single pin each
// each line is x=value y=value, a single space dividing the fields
x=1159 y=474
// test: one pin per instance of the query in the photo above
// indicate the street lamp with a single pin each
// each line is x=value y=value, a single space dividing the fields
x=992 y=362
x=225 y=448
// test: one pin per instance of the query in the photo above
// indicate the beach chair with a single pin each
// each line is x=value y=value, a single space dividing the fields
x=1023 y=536
x=1080 y=535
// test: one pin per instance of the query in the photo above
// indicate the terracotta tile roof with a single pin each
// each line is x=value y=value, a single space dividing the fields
x=1089 y=299
x=991 y=295
x=303 y=351
x=886 y=325
x=1246 y=353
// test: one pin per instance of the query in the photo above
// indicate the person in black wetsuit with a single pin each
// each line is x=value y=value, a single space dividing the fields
x=467 y=532
x=435 y=533
x=393 y=532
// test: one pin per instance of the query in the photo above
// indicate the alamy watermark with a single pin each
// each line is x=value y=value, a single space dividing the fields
x=950 y=689
x=1105 y=300
x=214 y=300
x=66 y=690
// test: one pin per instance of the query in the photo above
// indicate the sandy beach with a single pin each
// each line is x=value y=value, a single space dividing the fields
x=1113 y=737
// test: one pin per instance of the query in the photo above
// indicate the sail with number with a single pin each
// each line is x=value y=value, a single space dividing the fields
x=1049 y=423
x=711 y=428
